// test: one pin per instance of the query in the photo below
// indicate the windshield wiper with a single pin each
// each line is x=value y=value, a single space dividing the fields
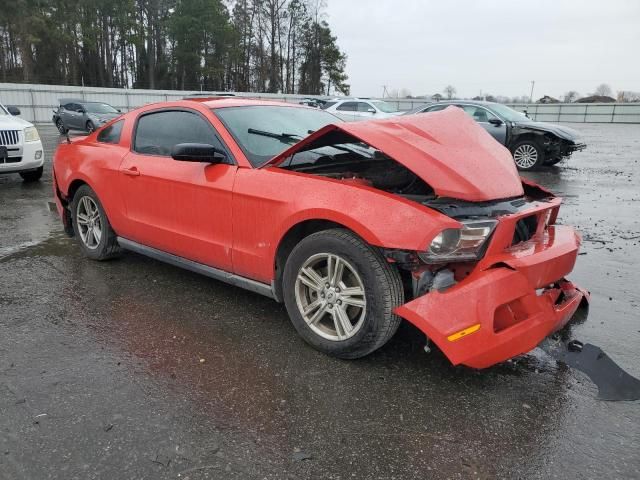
x=280 y=136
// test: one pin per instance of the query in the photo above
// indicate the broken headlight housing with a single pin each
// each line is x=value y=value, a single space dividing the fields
x=459 y=244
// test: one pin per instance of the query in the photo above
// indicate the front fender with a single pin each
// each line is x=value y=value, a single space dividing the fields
x=269 y=202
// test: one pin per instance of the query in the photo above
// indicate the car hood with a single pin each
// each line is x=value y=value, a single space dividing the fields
x=8 y=122
x=446 y=149
x=558 y=130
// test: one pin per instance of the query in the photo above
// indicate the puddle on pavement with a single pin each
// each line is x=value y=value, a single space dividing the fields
x=57 y=245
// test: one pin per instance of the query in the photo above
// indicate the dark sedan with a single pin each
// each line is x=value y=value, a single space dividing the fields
x=73 y=114
x=532 y=144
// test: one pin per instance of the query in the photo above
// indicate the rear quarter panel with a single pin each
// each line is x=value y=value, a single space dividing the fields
x=95 y=164
x=270 y=201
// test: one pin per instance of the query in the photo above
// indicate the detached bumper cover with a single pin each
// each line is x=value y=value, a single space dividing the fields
x=517 y=300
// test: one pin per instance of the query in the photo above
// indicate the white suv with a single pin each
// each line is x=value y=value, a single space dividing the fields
x=354 y=109
x=20 y=146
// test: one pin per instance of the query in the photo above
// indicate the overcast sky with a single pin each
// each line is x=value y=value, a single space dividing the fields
x=497 y=46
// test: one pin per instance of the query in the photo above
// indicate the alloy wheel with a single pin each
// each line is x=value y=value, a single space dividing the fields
x=330 y=296
x=89 y=222
x=525 y=156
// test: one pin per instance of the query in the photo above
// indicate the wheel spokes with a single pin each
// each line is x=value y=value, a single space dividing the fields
x=342 y=323
x=330 y=296
x=311 y=279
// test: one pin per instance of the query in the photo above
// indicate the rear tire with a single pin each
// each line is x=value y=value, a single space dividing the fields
x=528 y=155
x=319 y=272
x=32 y=176
x=91 y=226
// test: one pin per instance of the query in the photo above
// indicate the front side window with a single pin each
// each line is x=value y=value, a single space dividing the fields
x=111 y=134
x=262 y=132
x=364 y=107
x=479 y=114
x=384 y=106
x=156 y=133
x=348 y=107
x=509 y=114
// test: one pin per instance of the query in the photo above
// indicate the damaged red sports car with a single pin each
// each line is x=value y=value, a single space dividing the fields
x=353 y=226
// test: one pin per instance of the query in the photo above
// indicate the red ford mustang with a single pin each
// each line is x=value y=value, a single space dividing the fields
x=352 y=225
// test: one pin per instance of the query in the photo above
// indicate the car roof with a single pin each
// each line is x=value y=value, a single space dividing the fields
x=223 y=102
x=76 y=100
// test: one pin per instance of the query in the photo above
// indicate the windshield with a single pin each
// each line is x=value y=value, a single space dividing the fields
x=3 y=111
x=264 y=131
x=99 y=108
x=509 y=114
x=384 y=106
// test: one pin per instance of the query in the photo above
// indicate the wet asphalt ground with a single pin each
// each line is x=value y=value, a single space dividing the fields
x=134 y=369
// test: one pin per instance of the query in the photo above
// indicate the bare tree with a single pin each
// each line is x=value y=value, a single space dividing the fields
x=603 y=90
x=628 y=96
x=436 y=97
x=571 y=96
x=449 y=91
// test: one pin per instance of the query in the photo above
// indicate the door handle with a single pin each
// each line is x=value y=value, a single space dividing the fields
x=133 y=171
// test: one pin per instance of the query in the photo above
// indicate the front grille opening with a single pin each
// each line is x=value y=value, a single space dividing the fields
x=525 y=229
x=11 y=160
x=9 y=137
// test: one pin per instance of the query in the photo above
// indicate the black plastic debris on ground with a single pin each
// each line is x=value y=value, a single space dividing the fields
x=614 y=384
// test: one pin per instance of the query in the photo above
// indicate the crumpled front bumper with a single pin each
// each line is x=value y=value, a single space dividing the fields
x=505 y=308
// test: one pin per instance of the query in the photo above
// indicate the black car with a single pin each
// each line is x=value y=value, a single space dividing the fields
x=532 y=144
x=74 y=114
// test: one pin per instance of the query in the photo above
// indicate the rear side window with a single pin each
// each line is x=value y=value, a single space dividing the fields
x=348 y=107
x=157 y=132
x=111 y=134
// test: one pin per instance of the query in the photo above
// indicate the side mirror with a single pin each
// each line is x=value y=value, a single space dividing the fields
x=198 y=152
x=371 y=110
x=118 y=110
x=13 y=110
x=495 y=121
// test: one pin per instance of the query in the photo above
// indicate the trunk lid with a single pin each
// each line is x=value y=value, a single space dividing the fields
x=446 y=149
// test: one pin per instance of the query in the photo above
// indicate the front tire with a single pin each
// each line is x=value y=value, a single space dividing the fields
x=340 y=294
x=32 y=176
x=91 y=226
x=528 y=155
x=90 y=127
x=61 y=128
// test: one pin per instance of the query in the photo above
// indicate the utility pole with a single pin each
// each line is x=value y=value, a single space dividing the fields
x=533 y=82
x=384 y=91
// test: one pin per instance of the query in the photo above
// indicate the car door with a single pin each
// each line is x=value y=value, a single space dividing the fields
x=347 y=111
x=179 y=207
x=74 y=116
x=487 y=120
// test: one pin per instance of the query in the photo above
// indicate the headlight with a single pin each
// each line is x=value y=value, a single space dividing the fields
x=31 y=134
x=458 y=245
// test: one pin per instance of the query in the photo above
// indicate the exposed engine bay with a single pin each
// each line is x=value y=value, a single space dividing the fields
x=360 y=164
